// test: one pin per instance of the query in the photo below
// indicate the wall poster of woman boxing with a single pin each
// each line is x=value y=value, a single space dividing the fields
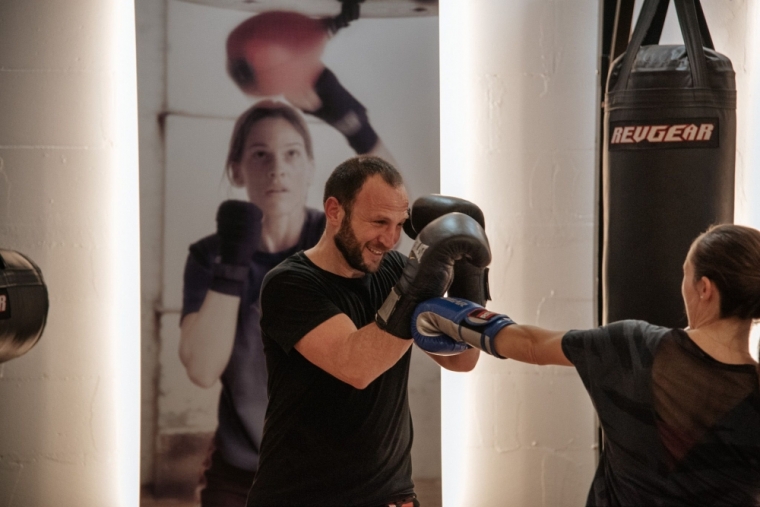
x=256 y=104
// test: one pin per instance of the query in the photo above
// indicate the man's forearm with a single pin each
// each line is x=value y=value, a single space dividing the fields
x=355 y=356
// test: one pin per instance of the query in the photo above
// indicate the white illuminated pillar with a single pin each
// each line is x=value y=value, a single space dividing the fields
x=518 y=128
x=69 y=424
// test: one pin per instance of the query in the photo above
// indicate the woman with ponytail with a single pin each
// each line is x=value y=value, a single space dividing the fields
x=679 y=408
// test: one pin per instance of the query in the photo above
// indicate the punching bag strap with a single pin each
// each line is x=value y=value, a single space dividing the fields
x=646 y=16
x=648 y=30
x=655 y=30
x=658 y=22
x=687 y=18
x=706 y=38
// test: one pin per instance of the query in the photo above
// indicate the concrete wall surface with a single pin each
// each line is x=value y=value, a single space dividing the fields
x=69 y=423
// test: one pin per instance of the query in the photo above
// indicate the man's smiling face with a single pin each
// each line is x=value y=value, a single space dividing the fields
x=372 y=225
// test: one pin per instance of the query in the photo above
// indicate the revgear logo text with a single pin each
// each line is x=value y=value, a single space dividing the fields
x=5 y=304
x=691 y=133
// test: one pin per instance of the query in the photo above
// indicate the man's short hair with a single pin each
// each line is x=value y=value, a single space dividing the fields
x=347 y=179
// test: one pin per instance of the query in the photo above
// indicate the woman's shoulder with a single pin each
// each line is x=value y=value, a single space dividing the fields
x=315 y=218
x=634 y=326
x=627 y=335
x=314 y=225
x=640 y=334
x=205 y=249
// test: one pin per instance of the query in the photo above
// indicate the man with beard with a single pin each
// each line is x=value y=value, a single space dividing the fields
x=338 y=429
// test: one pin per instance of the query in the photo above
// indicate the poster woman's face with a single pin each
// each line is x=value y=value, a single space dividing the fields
x=275 y=168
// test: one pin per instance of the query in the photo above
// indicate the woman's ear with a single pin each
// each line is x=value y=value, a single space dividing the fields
x=706 y=288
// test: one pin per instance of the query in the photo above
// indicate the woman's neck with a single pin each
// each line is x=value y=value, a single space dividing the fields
x=280 y=232
x=726 y=340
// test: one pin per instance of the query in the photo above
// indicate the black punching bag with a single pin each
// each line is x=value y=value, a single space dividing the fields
x=668 y=163
x=23 y=304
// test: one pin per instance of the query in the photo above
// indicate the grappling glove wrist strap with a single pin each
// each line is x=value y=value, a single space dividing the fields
x=228 y=279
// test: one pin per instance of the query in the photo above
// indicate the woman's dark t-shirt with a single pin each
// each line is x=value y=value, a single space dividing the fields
x=680 y=428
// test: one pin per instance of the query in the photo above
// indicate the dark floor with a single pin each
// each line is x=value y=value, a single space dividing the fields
x=428 y=492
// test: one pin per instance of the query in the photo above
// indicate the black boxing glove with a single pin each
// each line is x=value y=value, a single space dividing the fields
x=341 y=110
x=429 y=271
x=238 y=226
x=429 y=207
x=470 y=282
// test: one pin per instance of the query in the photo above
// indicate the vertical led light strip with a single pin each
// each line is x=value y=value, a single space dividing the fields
x=457 y=92
x=752 y=147
x=125 y=251
x=457 y=132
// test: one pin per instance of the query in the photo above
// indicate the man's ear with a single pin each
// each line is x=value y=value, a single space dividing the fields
x=334 y=212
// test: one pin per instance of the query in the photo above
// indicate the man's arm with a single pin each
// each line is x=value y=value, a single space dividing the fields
x=462 y=362
x=355 y=356
x=359 y=356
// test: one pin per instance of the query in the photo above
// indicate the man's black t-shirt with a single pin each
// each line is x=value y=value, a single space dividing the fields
x=326 y=443
x=680 y=428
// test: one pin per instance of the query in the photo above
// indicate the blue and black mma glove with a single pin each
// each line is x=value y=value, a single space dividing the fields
x=448 y=326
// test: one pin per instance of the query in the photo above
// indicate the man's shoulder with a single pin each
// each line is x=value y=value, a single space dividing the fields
x=394 y=260
x=296 y=267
